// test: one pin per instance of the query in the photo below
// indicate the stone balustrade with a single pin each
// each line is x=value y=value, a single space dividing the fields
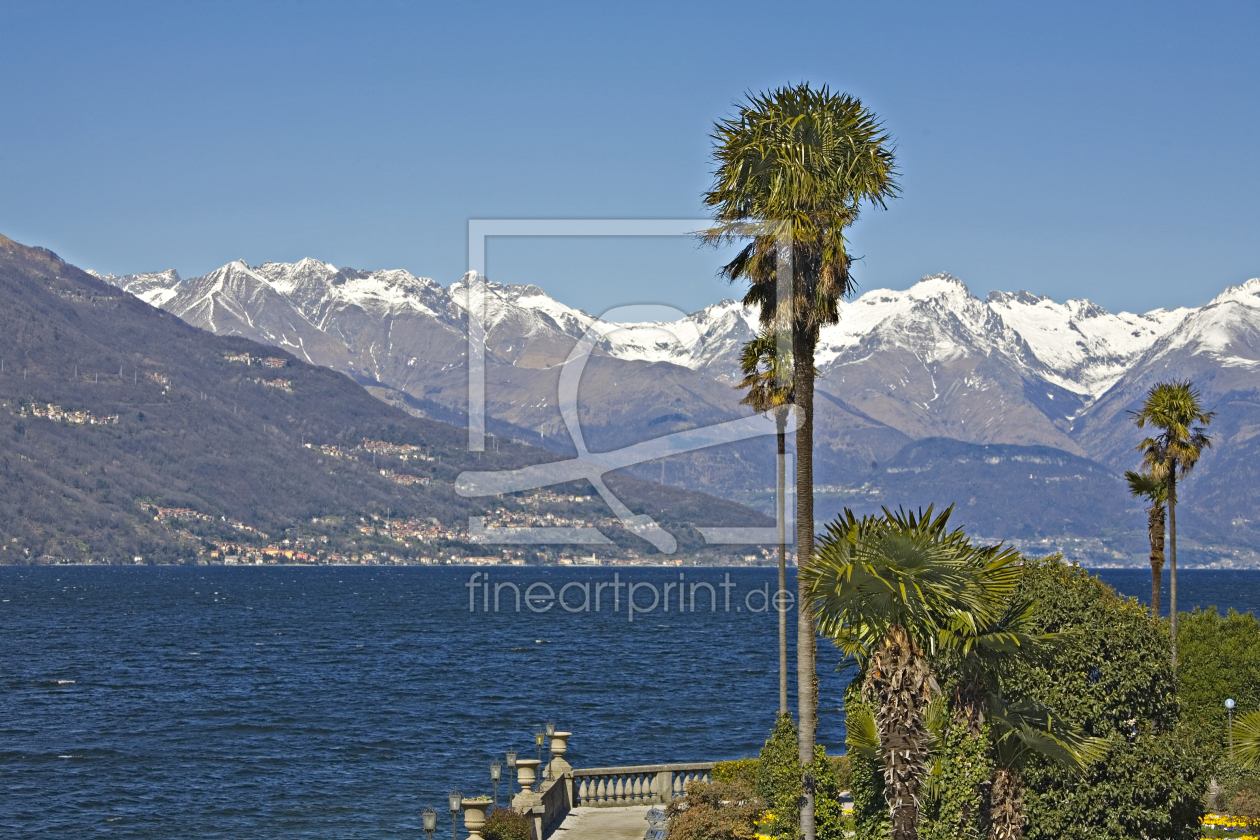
x=608 y=787
x=547 y=801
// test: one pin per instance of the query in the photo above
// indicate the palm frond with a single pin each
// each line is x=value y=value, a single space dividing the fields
x=860 y=734
x=1247 y=739
x=1023 y=729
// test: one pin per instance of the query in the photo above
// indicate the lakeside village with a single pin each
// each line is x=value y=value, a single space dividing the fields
x=385 y=541
x=206 y=539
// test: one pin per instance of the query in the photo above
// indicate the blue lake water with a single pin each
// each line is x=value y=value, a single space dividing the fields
x=339 y=702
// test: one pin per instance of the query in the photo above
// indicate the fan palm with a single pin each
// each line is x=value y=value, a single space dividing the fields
x=1020 y=731
x=891 y=591
x=794 y=167
x=1154 y=489
x=767 y=378
x=1175 y=408
x=1246 y=739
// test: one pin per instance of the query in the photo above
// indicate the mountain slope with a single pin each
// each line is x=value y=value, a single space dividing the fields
x=198 y=428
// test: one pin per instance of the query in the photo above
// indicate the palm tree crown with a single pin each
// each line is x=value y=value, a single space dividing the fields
x=795 y=165
x=767 y=373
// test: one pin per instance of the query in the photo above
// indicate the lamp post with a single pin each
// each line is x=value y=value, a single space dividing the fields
x=1229 y=710
x=511 y=766
x=496 y=770
x=549 y=730
x=429 y=816
x=455 y=798
x=538 y=739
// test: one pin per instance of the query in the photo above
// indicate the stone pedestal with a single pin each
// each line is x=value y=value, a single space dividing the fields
x=475 y=816
x=559 y=745
x=526 y=775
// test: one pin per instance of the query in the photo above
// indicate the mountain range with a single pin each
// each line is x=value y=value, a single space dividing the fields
x=931 y=365
x=129 y=433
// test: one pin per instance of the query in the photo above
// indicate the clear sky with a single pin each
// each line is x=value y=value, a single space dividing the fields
x=1100 y=150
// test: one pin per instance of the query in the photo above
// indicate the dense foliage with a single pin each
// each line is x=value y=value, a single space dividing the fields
x=1219 y=658
x=714 y=811
x=506 y=824
x=779 y=780
x=1110 y=676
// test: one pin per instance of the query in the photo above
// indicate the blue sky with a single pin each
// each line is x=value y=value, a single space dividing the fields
x=1094 y=150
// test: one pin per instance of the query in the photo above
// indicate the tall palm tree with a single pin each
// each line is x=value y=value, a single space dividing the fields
x=891 y=591
x=794 y=167
x=1155 y=490
x=767 y=379
x=1175 y=408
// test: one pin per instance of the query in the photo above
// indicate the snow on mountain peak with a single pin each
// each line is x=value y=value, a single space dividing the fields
x=1247 y=294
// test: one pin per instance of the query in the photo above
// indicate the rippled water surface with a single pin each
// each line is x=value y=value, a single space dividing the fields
x=339 y=702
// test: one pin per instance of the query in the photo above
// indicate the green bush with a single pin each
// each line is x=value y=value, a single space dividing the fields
x=955 y=804
x=830 y=823
x=1218 y=657
x=866 y=776
x=840 y=767
x=1112 y=678
x=506 y=824
x=740 y=772
x=714 y=811
x=779 y=780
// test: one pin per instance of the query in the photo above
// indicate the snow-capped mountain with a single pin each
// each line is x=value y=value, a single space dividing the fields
x=926 y=363
x=932 y=360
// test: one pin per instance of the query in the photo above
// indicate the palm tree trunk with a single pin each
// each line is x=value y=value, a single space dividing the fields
x=1155 y=528
x=1172 y=561
x=804 y=340
x=901 y=680
x=1006 y=805
x=780 y=417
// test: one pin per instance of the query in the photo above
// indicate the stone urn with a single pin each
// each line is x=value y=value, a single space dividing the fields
x=475 y=816
x=559 y=745
x=526 y=773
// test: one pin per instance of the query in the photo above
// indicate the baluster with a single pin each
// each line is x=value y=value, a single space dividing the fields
x=599 y=795
x=637 y=789
x=678 y=784
x=582 y=791
x=621 y=790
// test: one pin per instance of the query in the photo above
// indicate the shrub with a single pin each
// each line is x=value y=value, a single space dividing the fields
x=866 y=773
x=1245 y=804
x=1112 y=678
x=714 y=811
x=830 y=822
x=742 y=772
x=506 y=824
x=779 y=780
x=1218 y=657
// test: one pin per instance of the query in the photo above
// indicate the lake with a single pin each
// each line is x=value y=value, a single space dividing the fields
x=288 y=702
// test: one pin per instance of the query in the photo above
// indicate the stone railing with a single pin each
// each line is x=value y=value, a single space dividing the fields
x=547 y=803
x=645 y=784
